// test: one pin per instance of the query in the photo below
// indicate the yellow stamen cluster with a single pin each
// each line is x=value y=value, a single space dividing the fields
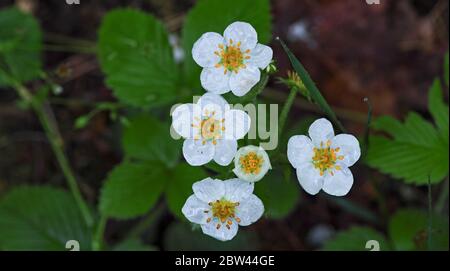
x=210 y=128
x=224 y=210
x=232 y=57
x=325 y=158
x=251 y=163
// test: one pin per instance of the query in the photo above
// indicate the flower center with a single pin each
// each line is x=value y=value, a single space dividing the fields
x=210 y=128
x=325 y=158
x=251 y=163
x=232 y=57
x=224 y=210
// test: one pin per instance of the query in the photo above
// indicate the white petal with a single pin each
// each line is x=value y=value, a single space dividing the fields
x=250 y=210
x=349 y=148
x=339 y=183
x=211 y=98
x=237 y=190
x=197 y=154
x=182 y=119
x=310 y=178
x=299 y=150
x=223 y=233
x=243 y=81
x=237 y=124
x=194 y=210
x=241 y=32
x=204 y=48
x=261 y=56
x=209 y=190
x=215 y=80
x=250 y=177
x=320 y=131
x=225 y=151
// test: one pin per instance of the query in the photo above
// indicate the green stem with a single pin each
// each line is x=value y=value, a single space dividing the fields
x=430 y=214
x=97 y=243
x=146 y=222
x=286 y=108
x=45 y=115
x=443 y=196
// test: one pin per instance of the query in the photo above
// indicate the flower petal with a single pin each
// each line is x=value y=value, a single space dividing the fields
x=237 y=124
x=204 y=48
x=241 y=32
x=225 y=151
x=320 y=131
x=243 y=81
x=215 y=80
x=261 y=56
x=222 y=233
x=212 y=98
x=339 y=183
x=237 y=190
x=299 y=150
x=209 y=190
x=249 y=176
x=197 y=154
x=249 y=210
x=194 y=210
x=310 y=178
x=349 y=148
x=182 y=119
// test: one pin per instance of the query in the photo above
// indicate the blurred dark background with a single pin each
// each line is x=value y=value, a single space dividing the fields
x=389 y=52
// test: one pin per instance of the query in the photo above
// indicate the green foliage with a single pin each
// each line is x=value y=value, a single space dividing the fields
x=41 y=218
x=408 y=230
x=135 y=54
x=179 y=237
x=416 y=151
x=279 y=194
x=147 y=138
x=179 y=186
x=355 y=239
x=20 y=46
x=131 y=189
x=215 y=16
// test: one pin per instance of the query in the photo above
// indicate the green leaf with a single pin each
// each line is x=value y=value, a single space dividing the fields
x=180 y=237
x=215 y=16
x=311 y=86
x=20 y=46
x=133 y=244
x=408 y=230
x=131 y=189
x=415 y=153
x=148 y=138
x=438 y=109
x=355 y=239
x=280 y=195
x=179 y=186
x=135 y=54
x=41 y=218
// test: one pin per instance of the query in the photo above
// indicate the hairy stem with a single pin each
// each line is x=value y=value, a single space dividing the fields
x=46 y=117
x=286 y=108
x=97 y=242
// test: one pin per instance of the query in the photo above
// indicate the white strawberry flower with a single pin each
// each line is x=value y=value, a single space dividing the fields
x=251 y=163
x=232 y=61
x=220 y=207
x=211 y=129
x=322 y=161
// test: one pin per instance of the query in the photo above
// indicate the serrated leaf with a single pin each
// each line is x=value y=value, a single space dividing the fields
x=179 y=186
x=135 y=54
x=132 y=189
x=438 y=109
x=415 y=153
x=355 y=239
x=215 y=16
x=148 y=138
x=278 y=194
x=20 y=46
x=41 y=218
x=408 y=230
x=180 y=237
